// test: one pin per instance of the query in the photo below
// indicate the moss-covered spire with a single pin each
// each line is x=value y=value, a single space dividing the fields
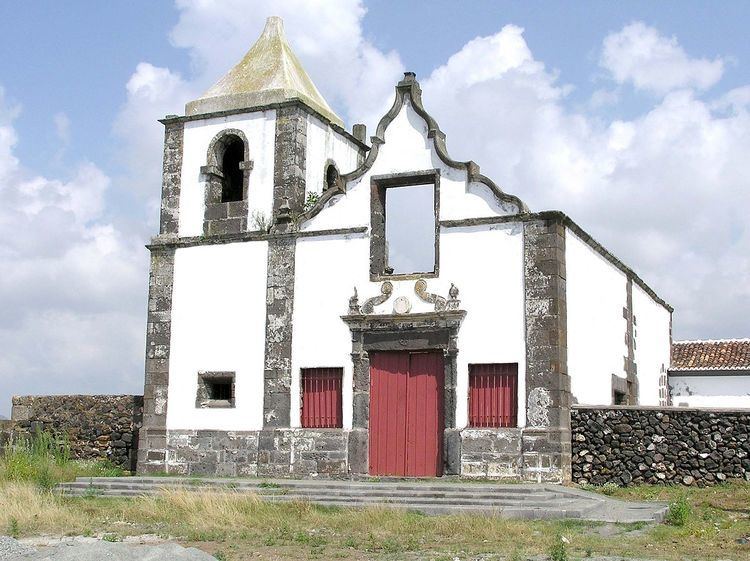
x=269 y=73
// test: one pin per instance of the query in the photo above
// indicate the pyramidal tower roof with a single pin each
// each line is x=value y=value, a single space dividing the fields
x=268 y=73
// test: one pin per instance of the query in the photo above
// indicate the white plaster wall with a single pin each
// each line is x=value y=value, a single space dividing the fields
x=324 y=143
x=407 y=148
x=260 y=129
x=484 y=262
x=596 y=295
x=725 y=392
x=218 y=324
x=326 y=271
x=652 y=344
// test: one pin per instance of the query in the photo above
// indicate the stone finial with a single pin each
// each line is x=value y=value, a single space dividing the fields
x=354 y=304
x=453 y=301
x=359 y=131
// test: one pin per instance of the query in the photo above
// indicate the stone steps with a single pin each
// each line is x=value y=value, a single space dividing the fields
x=428 y=496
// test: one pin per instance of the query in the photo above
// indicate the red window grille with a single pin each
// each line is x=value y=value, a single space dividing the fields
x=321 y=398
x=493 y=395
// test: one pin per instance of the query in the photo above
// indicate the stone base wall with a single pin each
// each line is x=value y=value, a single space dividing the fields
x=95 y=426
x=631 y=445
x=266 y=453
x=491 y=453
x=509 y=453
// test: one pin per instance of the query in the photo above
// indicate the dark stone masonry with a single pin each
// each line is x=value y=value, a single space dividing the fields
x=632 y=445
x=267 y=453
x=96 y=426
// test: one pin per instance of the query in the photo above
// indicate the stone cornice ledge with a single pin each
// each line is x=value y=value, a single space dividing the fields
x=267 y=107
x=170 y=241
x=386 y=321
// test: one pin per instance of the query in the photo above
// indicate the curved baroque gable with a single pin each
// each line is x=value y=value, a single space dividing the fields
x=410 y=87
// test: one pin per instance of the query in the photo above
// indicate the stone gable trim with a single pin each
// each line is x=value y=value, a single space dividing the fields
x=288 y=199
x=410 y=87
x=252 y=236
x=152 y=445
x=545 y=443
x=630 y=367
x=169 y=219
x=296 y=103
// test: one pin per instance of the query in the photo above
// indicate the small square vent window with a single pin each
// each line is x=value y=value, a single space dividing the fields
x=215 y=389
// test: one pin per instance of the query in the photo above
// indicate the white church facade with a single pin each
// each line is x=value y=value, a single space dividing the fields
x=287 y=336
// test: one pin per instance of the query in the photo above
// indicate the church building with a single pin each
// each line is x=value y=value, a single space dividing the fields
x=324 y=304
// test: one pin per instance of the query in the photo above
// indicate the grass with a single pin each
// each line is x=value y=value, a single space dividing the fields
x=235 y=526
x=45 y=460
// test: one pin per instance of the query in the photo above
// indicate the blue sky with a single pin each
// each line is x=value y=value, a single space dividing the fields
x=630 y=116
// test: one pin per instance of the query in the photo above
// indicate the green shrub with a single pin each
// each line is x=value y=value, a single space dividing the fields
x=679 y=512
x=559 y=551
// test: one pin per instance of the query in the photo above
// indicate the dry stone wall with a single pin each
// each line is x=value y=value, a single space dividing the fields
x=96 y=426
x=631 y=445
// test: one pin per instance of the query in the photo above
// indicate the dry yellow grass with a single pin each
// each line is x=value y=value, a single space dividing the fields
x=239 y=523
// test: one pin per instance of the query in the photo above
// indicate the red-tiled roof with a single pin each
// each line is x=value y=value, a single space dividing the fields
x=730 y=354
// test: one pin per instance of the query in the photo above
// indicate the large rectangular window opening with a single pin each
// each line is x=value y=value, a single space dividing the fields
x=493 y=395
x=321 y=398
x=405 y=224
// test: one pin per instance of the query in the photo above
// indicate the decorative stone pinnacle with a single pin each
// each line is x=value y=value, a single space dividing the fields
x=354 y=303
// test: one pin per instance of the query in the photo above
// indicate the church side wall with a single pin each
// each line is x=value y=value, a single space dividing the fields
x=596 y=296
x=218 y=325
x=259 y=129
x=710 y=390
x=652 y=346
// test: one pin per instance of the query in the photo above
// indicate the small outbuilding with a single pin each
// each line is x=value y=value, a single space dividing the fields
x=712 y=374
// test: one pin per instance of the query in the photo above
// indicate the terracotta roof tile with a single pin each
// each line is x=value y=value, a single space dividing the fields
x=711 y=355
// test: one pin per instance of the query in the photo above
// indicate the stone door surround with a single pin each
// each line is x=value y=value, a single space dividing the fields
x=432 y=331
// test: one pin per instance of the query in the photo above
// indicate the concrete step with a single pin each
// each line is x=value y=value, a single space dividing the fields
x=448 y=494
x=398 y=485
x=427 y=496
x=416 y=501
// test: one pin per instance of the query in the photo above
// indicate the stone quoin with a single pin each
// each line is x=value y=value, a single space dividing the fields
x=277 y=268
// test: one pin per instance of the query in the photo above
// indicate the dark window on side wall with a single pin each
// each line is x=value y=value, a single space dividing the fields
x=332 y=175
x=231 y=186
x=620 y=398
x=493 y=395
x=321 y=398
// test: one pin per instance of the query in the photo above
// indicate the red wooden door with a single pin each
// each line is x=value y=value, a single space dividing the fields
x=406 y=414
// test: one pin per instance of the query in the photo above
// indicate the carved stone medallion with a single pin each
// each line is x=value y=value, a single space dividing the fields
x=401 y=305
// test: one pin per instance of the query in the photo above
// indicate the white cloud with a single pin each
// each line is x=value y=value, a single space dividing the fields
x=665 y=191
x=152 y=93
x=641 y=55
x=72 y=285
